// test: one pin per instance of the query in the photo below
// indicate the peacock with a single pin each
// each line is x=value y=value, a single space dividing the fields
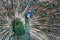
x=29 y=19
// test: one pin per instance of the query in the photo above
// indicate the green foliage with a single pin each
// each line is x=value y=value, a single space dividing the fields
x=18 y=27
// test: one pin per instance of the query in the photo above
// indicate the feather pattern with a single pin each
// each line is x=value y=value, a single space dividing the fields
x=29 y=20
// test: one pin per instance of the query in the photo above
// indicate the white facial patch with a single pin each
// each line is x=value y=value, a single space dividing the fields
x=23 y=20
x=28 y=15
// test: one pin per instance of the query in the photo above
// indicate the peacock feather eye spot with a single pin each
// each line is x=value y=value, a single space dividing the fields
x=32 y=3
x=15 y=4
x=51 y=5
x=58 y=28
x=3 y=38
x=43 y=14
x=34 y=11
x=42 y=4
x=12 y=11
x=6 y=14
x=45 y=30
x=6 y=5
x=1 y=29
x=1 y=22
x=42 y=21
x=58 y=9
x=19 y=10
x=24 y=4
x=35 y=1
x=50 y=24
x=52 y=16
x=0 y=12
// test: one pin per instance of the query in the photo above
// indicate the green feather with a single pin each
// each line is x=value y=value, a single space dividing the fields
x=18 y=27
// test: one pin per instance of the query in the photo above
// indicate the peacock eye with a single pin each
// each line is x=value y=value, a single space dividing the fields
x=52 y=16
x=3 y=22
x=6 y=14
x=58 y=28
x=19 y=10
x=15 y=4
x=32 y=3
x=3 y=38
x=0 y=21
x=50 y=24
x=45 y=30
x=43 y=14
x=34 y=11
x=58 y=9
x=42 y=4
x=0 y=12
x=12 y=11
x=7 y=5
x=42 y=21
x=1 y=29
x=24 y=4
x=51 y=5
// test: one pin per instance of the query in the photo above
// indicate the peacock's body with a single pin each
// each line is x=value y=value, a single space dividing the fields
x=18 y=27
x=29 y=20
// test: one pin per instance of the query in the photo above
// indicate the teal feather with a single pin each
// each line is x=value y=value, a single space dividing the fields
x=18 y=27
